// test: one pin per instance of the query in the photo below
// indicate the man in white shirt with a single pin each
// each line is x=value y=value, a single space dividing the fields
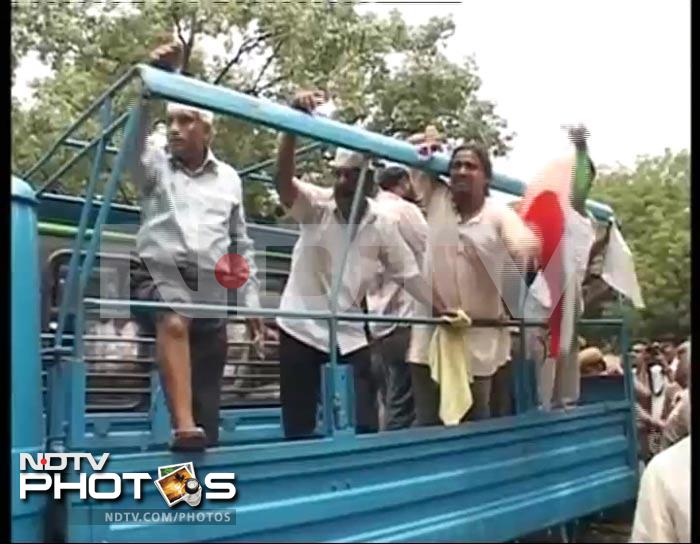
x=663 y=503
x=191 y=215
x=323 y=218
x=391 y=340
x=471 y=241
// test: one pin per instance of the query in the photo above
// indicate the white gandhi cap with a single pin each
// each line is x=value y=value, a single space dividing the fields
x=205 y=115
x=345 y=158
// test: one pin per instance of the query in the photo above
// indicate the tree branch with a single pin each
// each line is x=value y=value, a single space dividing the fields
x=247 y=45
x=176 y=20
x=256 y=91
x=194 y=28
x=253 y=90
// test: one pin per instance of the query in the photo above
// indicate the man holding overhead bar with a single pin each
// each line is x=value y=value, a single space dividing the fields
x=191 y=215
x=323 y=215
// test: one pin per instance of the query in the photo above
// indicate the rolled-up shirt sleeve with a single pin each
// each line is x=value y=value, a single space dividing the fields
x=307 y=207
x=414 y=229
x=245 y=247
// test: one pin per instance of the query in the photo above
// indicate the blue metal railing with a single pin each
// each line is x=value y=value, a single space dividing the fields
x=92 y=108
x=159 y=84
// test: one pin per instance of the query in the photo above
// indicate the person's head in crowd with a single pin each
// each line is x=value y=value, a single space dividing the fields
x=347 y=167
x=189 y=131
x=638 y=353
x=669 y=352
x=667 y=344
x=470 y=174
x=591 y=362
x=682 y=374
x=395 y=179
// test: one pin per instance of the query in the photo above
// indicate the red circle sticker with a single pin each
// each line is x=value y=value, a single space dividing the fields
x=232 y=271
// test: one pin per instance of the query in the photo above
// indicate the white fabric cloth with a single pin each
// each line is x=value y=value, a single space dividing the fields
x=580 y=237
x=386 y=297
x=467 y=262
x=618 y=268
x=346 y=158
x=205 y=115
x=663 y=503
x=318 y=254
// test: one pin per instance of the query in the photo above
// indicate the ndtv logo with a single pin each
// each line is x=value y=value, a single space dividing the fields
x=46 y=475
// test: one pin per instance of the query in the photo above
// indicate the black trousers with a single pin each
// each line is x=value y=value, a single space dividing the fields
x=393 y=377
x=300 y=387
x=208 y=349
x=426 y=395
x=427 y=398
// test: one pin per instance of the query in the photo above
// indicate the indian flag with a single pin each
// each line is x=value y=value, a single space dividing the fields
x=566 y=239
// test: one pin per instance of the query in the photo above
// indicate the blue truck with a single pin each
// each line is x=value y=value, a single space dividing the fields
x=495 y=480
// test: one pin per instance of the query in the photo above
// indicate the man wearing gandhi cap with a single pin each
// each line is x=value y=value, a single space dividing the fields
x=191 y=215
x=323 y=217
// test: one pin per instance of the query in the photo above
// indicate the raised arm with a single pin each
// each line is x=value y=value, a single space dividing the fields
x=284 y=178
x=141 y=164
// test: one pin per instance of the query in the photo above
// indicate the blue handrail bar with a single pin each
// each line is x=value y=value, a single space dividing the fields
x=92 y=108
x=170 y=86
x=267 y=312
x=104 y=135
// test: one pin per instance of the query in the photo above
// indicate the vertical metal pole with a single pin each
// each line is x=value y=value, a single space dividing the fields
x=520 y=371
x=629 y=397
x=59 y=386
x=68 y=304
x=76 y=379
x=330 y=397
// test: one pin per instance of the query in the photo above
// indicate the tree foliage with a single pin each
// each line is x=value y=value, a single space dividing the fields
x=382 y=73
x=652 y=203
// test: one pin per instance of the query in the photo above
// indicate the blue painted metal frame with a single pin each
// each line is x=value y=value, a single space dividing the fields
x=97 y=103
x=489 y=482
x=333 y=488
x=273 y=115
x=73 y=373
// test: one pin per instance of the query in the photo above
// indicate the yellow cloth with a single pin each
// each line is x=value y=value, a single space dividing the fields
x=450 y=366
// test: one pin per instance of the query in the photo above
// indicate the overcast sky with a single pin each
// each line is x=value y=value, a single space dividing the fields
x=622 y=67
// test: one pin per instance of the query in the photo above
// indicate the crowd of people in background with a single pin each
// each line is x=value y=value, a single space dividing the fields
x=662 y=373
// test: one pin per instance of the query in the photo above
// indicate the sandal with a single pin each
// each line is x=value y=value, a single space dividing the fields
x=194 y=439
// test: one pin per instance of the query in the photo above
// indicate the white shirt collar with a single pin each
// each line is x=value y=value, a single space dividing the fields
x=210 y=162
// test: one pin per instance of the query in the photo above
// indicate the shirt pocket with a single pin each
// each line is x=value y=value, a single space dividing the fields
x=215 y=208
